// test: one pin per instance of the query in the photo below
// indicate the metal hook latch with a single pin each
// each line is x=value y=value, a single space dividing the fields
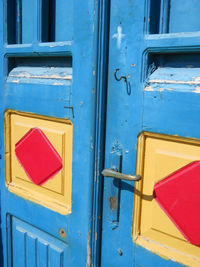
x=128 y=85
x=119 y=175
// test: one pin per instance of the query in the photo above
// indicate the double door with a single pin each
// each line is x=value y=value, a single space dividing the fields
x=76 y=76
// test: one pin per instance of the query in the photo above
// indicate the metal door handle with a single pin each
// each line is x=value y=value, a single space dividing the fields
x=119 y=175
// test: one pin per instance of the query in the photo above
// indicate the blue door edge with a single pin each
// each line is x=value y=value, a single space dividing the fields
x=101 y=67
x=1 y=122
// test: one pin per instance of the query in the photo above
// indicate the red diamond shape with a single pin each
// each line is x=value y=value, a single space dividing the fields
x=38 y=157
x=179 y=196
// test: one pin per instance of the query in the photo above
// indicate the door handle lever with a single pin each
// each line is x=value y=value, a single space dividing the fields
x=119 y=175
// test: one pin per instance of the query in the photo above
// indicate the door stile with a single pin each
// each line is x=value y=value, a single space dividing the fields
x=102 y=41
x=123 y=123
x=3 y=237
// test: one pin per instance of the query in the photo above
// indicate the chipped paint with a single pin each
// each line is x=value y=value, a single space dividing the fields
x=148 y=88
x=159 y=89
x=91 y=143
x=41 y=75
x=58 y=83
x=20 y=75
x=113 y=203
x=57 y=45
x=174 y=81
x=197 y=90
x=46 y=76
x=88 y=252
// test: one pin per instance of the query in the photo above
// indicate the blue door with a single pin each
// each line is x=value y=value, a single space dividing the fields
x=152 y=129
x=47 y=117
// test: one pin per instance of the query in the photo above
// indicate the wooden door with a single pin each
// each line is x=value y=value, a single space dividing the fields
x=47 y=65
x=152 y=128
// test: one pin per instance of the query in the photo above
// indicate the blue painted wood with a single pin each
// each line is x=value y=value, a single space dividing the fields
x=19 y=247
x=146 y=258
x=30 y=245
x=31 y=250
x=124 y=118
x=171 y=16
x=3 y=36
x=42 y=255
x=62 y=9
x=87 y=22
x=40 y=49
x=164 y=107
x=29 y=21
x=172 y=42
x=44 y=98
x=101 y=63
x=56 y=76
x=172 y=79
x=184 y=16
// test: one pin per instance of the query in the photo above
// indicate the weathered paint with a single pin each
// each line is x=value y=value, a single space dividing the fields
x=53 y=96
x=164 y=99
x=83 y=35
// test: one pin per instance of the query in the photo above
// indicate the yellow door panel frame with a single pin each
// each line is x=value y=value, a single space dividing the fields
x=56 y=192
x=158 y=156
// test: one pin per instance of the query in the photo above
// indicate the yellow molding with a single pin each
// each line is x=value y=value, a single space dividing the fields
x=55 y=194
x=178 y=249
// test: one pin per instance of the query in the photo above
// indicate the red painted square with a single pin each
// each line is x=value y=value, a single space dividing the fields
x=179 y=196
x=38 y=157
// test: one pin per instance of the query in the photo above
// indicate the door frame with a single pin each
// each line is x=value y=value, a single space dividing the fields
x=101 y=65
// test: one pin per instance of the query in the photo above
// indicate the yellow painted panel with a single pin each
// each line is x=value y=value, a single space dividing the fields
x=159 y=156
x=56 y=192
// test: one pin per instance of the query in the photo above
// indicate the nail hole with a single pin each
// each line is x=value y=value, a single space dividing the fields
x=62 y=233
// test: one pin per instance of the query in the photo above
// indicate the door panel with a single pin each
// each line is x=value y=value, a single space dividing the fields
x=162 y=70
x=41 y=88
x=32 y=247
x=54 y=193
x=172 y=16
x=161 y=155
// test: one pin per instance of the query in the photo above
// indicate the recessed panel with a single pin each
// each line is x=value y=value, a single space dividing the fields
x=172 y=16
x=158 y=157
x=56 y=191
x=184 y=16
x=33 y=247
